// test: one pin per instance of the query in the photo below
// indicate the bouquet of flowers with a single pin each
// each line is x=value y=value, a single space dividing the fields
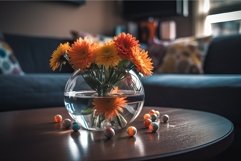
x=103 y=65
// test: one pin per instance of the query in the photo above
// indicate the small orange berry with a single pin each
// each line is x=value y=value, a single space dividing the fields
x=147 y=122
x=151 y=112
x=131 y=131
x=147 y=116
x=58 y=118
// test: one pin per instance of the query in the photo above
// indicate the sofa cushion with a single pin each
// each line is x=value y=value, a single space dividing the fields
x=32 y=91
x=224 y=56
x=8 y=62
x=214 y=93
x=33 y=53
x=182 y=57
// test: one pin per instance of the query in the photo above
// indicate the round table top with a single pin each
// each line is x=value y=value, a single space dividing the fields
x=189 y=135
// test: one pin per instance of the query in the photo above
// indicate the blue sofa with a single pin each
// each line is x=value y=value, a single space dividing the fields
x=218 y=90
x=39 y=87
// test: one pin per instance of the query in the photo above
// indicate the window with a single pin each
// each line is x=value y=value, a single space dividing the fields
x=224 y=17
x=217 y=17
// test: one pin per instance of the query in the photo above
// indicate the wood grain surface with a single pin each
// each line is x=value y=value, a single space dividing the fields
x=189 y=135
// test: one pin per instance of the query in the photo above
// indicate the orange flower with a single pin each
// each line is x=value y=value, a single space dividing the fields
x=107 y=56
x=81 y=53
x=124 y=43
x=142 y=62
x=109 y=106
x=57 y=56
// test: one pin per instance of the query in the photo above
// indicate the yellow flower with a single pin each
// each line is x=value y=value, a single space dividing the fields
x=57 y=55
x=109 y=106
x=81 y=53
x=124 y=44
x=107 y=56
x=142 y=62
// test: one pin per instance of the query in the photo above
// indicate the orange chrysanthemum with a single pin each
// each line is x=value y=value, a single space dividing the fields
x=57 y=56
x=124 y=43
x=142 y=62
x=81 y=53
x=107 y=56
x=109 y=106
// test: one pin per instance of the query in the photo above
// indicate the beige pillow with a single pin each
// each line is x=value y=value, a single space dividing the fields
x=183 y=56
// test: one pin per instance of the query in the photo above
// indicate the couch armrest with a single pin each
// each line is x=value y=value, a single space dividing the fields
x=219 y=94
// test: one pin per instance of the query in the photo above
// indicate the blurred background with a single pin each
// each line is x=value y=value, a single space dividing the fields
x=180 y=17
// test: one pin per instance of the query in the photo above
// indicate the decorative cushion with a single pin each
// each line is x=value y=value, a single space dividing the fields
x=8 y=62
x=183 y=56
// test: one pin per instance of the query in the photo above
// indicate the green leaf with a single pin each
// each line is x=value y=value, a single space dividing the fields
x=91 y=81
x=121 y=120
x=92 y=119
x=123 y=64
x=86 y=111
x=100 y=119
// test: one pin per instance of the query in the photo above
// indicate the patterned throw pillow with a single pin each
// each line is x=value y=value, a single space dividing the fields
x=8 y=62
x=182 y=56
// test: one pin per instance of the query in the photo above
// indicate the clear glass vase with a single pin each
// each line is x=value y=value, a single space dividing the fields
x=101 y=98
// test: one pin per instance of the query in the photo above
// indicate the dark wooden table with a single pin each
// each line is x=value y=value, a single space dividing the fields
x=190 y=135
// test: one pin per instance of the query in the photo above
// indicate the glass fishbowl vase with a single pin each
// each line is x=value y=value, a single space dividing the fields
x=104 y=98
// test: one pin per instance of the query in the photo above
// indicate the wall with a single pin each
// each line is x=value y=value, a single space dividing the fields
x=200 y=11
x=184 y=25
x=58 y=18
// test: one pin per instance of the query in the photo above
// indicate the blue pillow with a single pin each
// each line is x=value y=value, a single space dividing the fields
x=8 y=62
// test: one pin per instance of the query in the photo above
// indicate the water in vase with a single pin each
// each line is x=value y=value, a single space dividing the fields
x=80 y=108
